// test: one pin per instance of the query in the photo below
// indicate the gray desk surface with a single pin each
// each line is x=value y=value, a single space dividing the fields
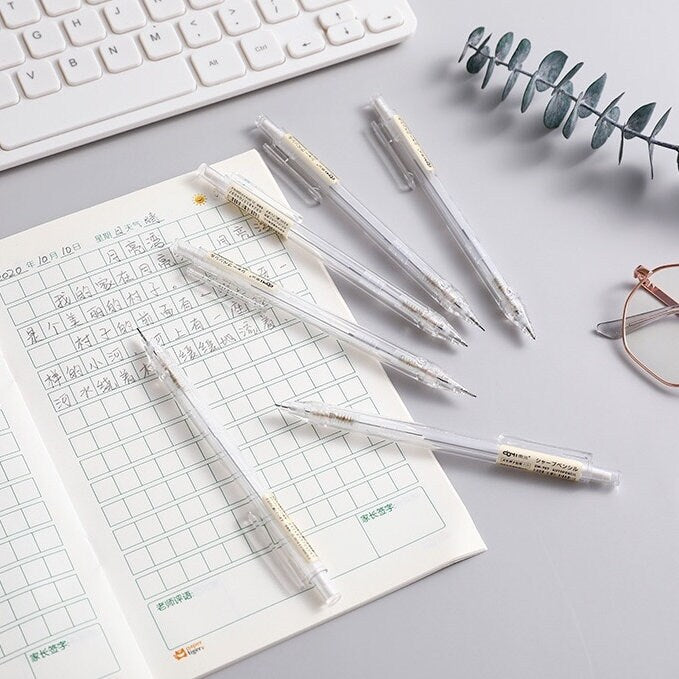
x=576 y=582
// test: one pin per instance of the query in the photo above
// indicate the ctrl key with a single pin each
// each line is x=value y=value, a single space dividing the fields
x=8 y=93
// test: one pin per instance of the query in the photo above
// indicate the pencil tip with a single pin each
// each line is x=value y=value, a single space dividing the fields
x=142 y=335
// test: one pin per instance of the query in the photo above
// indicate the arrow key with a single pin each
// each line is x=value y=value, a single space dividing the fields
x=200 y=29
x=347 y=31
x=304 y=45
x=384 y=20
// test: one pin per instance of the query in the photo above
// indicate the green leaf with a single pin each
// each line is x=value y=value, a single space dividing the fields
x=570 y=74
x=549 y=69
x=529 y=93
x=489 y=73
x=660 y=124
x=558 y=106
x=477 y=60
x=592 y=95
x=520 y=53
x=656 y=130
x=473 y=40
x=569 y=127
x=504 y=44
x=638 y=120
x=605 y=125
x=509 y=85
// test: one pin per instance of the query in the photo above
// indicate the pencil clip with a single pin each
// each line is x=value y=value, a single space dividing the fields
x=292 y=176
x=395 y=166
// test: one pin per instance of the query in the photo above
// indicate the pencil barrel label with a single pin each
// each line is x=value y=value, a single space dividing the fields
x=293 y=533
x=533 y=461
x=311 y=161
x=250 y=204
x=422 y=158
x=260 y=281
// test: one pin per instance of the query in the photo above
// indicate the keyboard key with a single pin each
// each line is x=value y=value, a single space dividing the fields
x=305 y=45
x=120 y=53
x=44 y=39
x=161 y=10
x=11 y=53
x=262 y=50
x=384 y=20
x=124 y=16
x=56 y=8
x=8 y=93
x=275 y=11
x=84 y=27
x=336 y=15
x=347 y=31
x=218 y=64
x=202 y=4
x=94 y=102
x=312 y=5
x=200 y=29
x=80 y=66
x=238 y=17
x=160 y=42
x=18 y=13
x=38 y=79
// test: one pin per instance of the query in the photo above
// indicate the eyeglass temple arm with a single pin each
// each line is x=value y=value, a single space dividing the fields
x=613 y=329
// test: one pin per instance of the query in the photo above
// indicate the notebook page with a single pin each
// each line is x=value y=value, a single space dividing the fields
x=168 y=523
x=58 y=617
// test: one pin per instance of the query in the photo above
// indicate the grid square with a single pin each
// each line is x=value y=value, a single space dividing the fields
x=150 y=585
x=57 y=621
x=172 y=575
x=80 y=612
x=216 y=557
x=35 y=571
x=69 y=588
x=171 y=518
x=161 y=551
x=159 y=495
x=47 y=538
x=46 y=596
x=149 y=527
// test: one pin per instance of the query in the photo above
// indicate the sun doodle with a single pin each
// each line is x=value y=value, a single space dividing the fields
x=200 y=199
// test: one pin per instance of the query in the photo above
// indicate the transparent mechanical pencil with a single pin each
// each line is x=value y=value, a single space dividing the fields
x=289 y=225
x=415 y=169
x=317 y=181
x=290 y=549
x=231 y=277
x=560 y=463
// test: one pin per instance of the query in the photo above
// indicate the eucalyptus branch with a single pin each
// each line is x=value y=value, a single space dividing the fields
x=562 y=97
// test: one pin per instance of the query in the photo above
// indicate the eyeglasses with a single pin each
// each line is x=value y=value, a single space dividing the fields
x=649 y=326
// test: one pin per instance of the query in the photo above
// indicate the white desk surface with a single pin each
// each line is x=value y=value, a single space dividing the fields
x=577 y=582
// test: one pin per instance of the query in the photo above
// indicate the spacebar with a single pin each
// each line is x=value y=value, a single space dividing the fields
x=72 y=108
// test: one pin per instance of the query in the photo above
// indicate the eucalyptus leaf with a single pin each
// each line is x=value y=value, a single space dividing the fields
x=477 y=60
x=592 y=96
x=529 y=93
x=504 y=44
x=473 y=40
x=489 y=73
x=520 y=53
x=549 y=69
x=570 y=74
x=638 y=120
x=509 y=85
x=558 y=106
x=661 y=123
x=569 y=127
x=604 y=128
x=651 y=146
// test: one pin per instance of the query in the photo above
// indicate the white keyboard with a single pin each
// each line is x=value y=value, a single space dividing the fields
x=72 y=71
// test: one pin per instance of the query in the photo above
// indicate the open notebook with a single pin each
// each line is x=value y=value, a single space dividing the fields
x=124 y=544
